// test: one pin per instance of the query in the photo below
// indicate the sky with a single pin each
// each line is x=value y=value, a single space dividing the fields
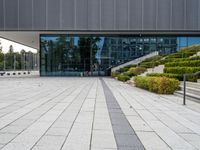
x=16 y=46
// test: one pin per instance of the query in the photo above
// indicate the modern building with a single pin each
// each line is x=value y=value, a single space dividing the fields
x=77 y=37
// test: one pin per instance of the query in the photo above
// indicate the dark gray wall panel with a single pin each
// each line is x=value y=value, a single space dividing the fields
x=135 y=8
x=11 y=14
x=39 y=14
x=25 y=14
x=199 y=15
x=122 y=14
x=53 y=16
x=178 y=14
x=81 y=14
x=68 y=14
x=94 y=14
x=164 y=14
x=113 y=15
x=149 y=17
x=191 y=14
x=1 y=15
x=107 y=14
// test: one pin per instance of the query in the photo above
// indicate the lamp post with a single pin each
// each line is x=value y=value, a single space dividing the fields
x=14 y=62
x=4 y=62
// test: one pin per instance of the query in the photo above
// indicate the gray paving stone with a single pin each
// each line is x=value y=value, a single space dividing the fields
x=48 y=113
x=128 y=140
x=120 y=124
x=6 y=137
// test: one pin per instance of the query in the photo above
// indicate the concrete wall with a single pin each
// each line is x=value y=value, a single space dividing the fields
x=100 y=15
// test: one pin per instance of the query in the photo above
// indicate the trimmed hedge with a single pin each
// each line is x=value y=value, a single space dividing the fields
x=125 y=69
x=176 y=76
x=193 y=63
x=168 y=60
x=150 y=64
x=181 y=70
x=123 y=78
x=121 y=70
x=160 y=85
x=181 y=55
x=169 y=75
x=137 y=71
x=114 y=74
x=155 y=58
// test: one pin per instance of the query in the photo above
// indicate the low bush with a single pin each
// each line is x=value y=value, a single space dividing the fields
x=168 y=60
x=169 y=75
x=181 y=70
x=114 y=74
x=181 y=55
x=123 y=77
x=140 y=70
x=150 y=64
x=176 y=76
x=193 y=63
x=121 y=70
x=128 y=73
x=160 y=85
x=125 y=69
x=193 y=49
x=155 y=58
x=130 y=66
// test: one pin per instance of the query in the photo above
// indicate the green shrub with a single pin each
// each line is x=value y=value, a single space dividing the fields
x=161 y=85
x=176 y=76
x=181 y=55
x=150 y=64
x=193 y=48
x=193 y=63
x=121 y=70
x=181 y=70
x=153 y=59
x=140 y=70
x=137 y=71
x=169 y=75
x=125 y=69
x=168 y=60
x=130 y=66
x=123 y=78
x=114 y=74
x=128 y=73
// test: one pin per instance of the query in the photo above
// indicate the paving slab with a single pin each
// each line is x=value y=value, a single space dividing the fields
x=70 y=113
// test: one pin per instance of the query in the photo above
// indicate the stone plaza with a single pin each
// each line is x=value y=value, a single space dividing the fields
x=70 y=113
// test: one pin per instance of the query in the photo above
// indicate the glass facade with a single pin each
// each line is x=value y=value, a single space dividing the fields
x=95 y=55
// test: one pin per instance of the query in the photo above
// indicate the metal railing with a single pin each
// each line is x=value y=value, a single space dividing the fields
x=184 y=84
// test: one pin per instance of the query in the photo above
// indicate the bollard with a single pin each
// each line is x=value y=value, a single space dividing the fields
x=184 y=91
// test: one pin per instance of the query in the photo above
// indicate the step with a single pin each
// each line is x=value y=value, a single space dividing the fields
x=192 y=84
x=198 y=81
x=191 y=90
x=189 y=96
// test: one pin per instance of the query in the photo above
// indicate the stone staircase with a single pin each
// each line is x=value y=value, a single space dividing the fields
x=135 y=61
x=157 y=69
x=195 y=55
x=192 y=91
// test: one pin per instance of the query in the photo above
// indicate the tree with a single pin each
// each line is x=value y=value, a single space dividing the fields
x=1 y=57
x=10 y=58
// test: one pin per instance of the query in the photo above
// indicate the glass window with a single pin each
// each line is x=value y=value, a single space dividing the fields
x=85 y=55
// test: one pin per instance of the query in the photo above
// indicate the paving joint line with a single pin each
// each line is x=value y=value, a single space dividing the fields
x=125 y=135
x=36 y=119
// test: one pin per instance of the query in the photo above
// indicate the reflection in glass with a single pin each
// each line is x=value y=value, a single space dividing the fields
x=92 y=55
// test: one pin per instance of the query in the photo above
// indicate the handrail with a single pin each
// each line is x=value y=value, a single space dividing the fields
x=184 y=84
